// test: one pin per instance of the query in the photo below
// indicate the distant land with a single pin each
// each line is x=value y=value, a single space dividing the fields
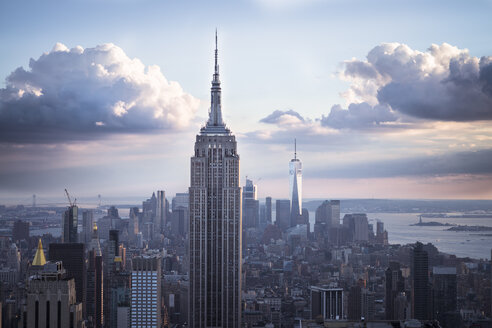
x=474 y=207
x=428 y=208
x=432 y=224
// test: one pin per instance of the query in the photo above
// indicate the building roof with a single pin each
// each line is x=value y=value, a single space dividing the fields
x=39 y=258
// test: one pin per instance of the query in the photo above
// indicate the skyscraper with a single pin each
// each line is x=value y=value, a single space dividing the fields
x=395 y=285
x=111 y=252
x=335 y=213
x=160 y=217
x=295 y=184
x=215 y=222
x=268 y=210
x=51 y=300
x=87 y=225
x=69 y=224
x=146 y=291
x=20 y=230
x=282 y=213
x=250 y=205
x=420 y=286
x=95 y=282
x=72 y=255
x=444 y=294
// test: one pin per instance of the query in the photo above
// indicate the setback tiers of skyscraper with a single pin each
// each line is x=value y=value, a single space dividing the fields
x=215 y=222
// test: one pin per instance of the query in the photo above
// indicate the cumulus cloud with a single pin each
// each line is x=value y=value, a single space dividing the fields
x=360 y=115
x=444 y=83
x=71 y=94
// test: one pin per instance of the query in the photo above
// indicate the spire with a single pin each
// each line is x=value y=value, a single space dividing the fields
x=39 y=258
x=215 y=123
x=295 y=148
x=216 y=72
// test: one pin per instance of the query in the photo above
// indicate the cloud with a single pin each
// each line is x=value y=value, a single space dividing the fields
x=287 y=117
x=360 y=115
x=77 y=94
x=448 y=164
x=444 y=83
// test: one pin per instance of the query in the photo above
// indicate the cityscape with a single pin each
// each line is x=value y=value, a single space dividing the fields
x=376 y=214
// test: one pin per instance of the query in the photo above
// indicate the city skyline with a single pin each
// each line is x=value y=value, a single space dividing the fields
x=359 y=104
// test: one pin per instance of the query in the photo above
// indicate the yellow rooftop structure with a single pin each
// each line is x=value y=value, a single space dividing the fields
x=39 y=258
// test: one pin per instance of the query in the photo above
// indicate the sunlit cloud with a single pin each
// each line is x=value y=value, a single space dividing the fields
x=81 y=94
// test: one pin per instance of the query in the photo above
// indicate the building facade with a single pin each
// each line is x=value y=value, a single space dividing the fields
x=215 y=223
x=51 y=300
x=250 y=205
x=420 y=283
x=70 y=221
x=146 y=291
x=72 y=255
x=327 y=303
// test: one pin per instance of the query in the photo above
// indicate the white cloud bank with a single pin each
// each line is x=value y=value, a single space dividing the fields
x=71 y=94
x=444 y=83
x=397 y=86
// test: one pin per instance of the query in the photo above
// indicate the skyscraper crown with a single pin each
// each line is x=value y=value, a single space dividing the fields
x=215 y=124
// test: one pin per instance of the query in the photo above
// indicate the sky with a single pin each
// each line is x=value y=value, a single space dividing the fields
x=387 y=99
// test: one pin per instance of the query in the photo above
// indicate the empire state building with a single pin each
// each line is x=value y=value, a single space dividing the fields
x=215 y=222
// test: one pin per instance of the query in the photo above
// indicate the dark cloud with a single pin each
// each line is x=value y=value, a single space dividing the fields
x=467 y=163
x=445 y=83
x=357 y=116
x=282 y=116
x=81 y=93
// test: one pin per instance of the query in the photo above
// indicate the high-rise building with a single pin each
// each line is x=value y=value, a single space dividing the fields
x=323 y=213
x=111 y=252
x=120 y=294
x=322 y=221
x=295 y=185
x=160 y=217
x=268 y=210
x=395 y=285
x=335 y=213
x=69 y=224
x=146 y=290
x=179 y=221
x=72 y=255
x=215 y=222
x=354 y=311
x=51 y=300
x=95 y=299
x=250 y=205
x=282 y=213
x=327 y=303
x=87 y=225
x=420 y=283
x=182 y=199
x=133 y=224
x=444 y=293
x=20 y=231
x=357 y=225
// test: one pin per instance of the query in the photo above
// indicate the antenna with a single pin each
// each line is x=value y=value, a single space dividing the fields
x=295 y=148
x=216 y=54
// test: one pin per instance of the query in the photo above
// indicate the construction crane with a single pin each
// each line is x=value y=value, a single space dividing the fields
x=69 y=199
